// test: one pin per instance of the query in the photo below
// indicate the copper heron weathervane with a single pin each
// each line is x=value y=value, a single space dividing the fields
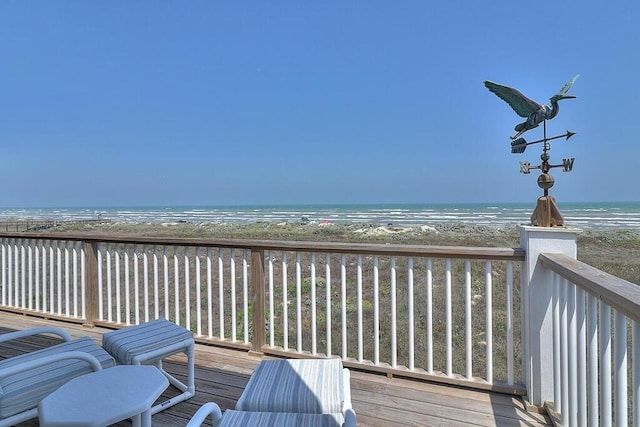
x=546 y=213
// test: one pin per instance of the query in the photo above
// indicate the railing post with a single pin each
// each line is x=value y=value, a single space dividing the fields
x=91 y=282
x=258 y=299
x=537 y=306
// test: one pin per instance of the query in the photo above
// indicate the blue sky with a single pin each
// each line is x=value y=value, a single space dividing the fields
x=287 y=102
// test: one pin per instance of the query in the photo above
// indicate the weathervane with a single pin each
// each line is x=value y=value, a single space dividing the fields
x=546 y=213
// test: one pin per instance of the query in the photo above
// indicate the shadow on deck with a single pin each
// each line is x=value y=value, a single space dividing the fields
x=222 y=374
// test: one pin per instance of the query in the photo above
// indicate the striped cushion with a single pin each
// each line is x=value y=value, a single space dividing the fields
x=280 y=419
x=127 y=343
x=23 y=391
x=304 y=386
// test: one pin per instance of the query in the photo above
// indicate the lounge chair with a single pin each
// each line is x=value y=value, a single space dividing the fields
x=232 y=418
x=26 y=379
x=289 y=393
x=303 y=386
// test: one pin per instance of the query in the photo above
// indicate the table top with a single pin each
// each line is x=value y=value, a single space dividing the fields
x=104 y=397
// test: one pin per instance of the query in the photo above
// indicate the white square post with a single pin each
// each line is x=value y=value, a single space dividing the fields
x=537 y=306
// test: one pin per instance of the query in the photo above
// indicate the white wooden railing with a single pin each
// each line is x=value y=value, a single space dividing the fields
x=444 y=313
x=561 y=332
x=596 y=346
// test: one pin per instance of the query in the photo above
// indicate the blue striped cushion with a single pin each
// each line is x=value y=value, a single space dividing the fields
x=280 y=419
x=127 y=343
x=23 y=391
x=304 y=386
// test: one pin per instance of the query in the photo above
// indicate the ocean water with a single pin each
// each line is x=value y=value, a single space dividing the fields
x=582 y=215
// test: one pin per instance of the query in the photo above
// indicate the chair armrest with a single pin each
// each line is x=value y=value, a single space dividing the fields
x=45 y=360
x=36 y=331
x=347 y=409
x=201 y=415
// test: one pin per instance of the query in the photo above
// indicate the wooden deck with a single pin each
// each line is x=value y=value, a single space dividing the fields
x=221 y=375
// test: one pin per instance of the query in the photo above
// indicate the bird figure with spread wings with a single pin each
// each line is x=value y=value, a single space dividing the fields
x=525 y=107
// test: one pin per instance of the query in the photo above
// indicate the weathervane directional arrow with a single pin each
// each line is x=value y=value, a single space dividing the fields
x=520 y=144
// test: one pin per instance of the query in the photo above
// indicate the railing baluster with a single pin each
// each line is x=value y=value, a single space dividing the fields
x=298 y=303
x=564 y=351
x=16 y=274
x=3 y=264
x=592 y=360
x=327 y=273
x=234 y=312
x=198 y=296
x=109 y=284
x=156 y=284
x=359 y=308
x=74 y=247
x=67 y=286
x=605 y=364
x=314 y=332
x=620 y=364
x=23 y=275
x=45 y=300
x=52 y=278
x=245 y=296
x=509 y=296
x=376 y=312
x=429 y=316
x=127 y=284
x=83 y=280
x=572 y=354
x=343 y=298
x=10 y=274
x=635 y=373
x=448 y=322
x=557 y=349
x=394 y=331
x=30 y=274
x=100 y=283
x=187 y=287
x=165 y=277
x=285 y=302
x=467 y=319
x=38 y=285
x=410 y=313
x=581 y=375
x=221 y=293
x=489 y=314
x=136 y=285
x=234 y=315
x=176 y=285
x=116 y=256
x=271 y=303
x=59 y=277
x=209 y=294
x=145 y=280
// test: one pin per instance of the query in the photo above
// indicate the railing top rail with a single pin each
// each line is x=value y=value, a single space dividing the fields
x=620 y=294
x=515 y=254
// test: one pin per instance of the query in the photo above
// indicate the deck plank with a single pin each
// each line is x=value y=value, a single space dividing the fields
x=222 y=374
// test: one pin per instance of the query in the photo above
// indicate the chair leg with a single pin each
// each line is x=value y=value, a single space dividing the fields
x=188 y=390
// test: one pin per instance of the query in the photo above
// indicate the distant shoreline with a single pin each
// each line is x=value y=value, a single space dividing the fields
x=580 y=215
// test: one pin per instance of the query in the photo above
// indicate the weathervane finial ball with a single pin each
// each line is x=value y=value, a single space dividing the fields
x=545 y=181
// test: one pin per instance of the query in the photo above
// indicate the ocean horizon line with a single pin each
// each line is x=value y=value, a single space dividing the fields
x=322 y=204
x=579 y=214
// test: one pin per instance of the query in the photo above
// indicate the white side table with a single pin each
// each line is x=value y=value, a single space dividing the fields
x=105 y=397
